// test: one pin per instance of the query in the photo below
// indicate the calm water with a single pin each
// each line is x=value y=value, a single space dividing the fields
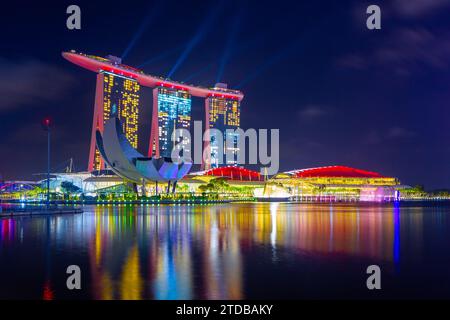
x=229 y=251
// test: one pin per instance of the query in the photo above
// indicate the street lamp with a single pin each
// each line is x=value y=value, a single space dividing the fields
x=46 y=126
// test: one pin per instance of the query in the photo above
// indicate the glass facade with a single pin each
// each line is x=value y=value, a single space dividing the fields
x=120 y=96
x=224 y=114
x=174 y=112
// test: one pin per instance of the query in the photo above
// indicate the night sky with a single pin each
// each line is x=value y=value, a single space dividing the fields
x=339 y=93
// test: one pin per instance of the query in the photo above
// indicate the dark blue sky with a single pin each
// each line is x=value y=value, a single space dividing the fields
x=338 y=92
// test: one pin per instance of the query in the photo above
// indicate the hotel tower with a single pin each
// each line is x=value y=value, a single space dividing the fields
x=118 y=92
x=171 y=111
x=115 y=95
x=222 y=113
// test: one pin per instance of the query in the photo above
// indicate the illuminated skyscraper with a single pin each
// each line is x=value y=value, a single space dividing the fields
x=114 y=95
x=119 y=85
x=173 y=111
x=222 y=113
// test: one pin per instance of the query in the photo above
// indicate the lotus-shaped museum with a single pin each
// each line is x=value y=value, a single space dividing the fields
x=131 y=165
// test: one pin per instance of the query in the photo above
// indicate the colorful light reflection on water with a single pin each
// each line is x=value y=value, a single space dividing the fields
x=227 y=251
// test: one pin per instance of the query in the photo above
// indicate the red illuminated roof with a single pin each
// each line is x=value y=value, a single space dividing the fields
x=334 y=172
x=235 y=173
x=98 y=64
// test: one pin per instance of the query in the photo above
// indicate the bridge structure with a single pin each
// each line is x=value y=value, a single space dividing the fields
x=171 y=106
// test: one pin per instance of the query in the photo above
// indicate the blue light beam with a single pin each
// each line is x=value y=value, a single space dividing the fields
x=160 y=56
x=268 y=64
x=229 y=46
x=240 y=50
x=153 y=12
x=199 y=72
x=204 y=27
x=304 y=37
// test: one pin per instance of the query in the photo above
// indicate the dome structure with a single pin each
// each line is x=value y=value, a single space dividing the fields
x=334 y=172
x=234 y=173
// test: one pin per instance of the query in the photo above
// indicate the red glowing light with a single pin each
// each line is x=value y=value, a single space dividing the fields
x=46 y=123
x=172 y=86
x=48 y=293
x=226 y=96
x=235 y=173
x=336 y=171
x=119 y=72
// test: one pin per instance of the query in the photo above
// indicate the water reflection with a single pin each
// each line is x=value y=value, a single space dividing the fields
x=7 y=230
x=190 y=252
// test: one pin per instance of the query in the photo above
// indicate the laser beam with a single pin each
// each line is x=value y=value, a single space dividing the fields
x=204 y=27
x=229 y=46
x=279 y=56
x=304 y=37
x=153 y=12
x=199 y=72
x=160 y=56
